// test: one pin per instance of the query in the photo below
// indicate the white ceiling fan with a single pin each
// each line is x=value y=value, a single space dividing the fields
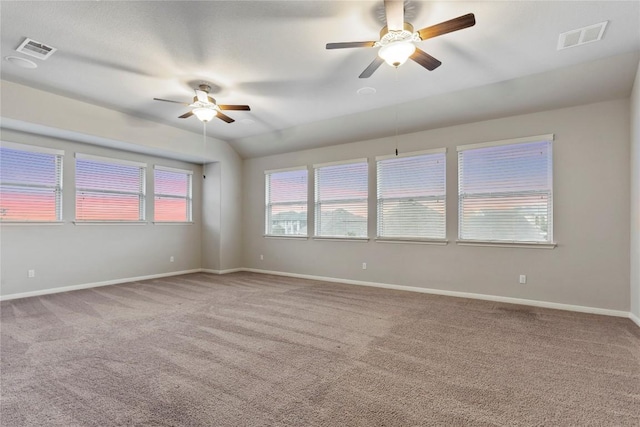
x=397 y=39
x=205 y=108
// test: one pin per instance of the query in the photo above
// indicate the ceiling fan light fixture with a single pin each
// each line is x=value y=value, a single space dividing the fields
x=397 y=53
x=204 y=114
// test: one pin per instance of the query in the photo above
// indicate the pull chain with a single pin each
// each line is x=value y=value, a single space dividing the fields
x=396 y=110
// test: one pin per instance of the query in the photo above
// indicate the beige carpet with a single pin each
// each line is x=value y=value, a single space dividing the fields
x=255 y=350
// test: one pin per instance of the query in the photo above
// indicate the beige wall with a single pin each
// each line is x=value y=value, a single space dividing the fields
x=212 y=244
x=635 y=196
x=590 y=266
x=69 y=254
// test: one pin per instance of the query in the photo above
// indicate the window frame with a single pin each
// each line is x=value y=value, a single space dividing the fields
x=318 y=203
x=188 y=197
x=269 y=203
x=379 y=200
x=57 y=187
x=141 y=194
x=550 y=243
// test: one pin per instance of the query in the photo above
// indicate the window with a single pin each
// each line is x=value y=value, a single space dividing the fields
x=109 y=189
x=505 y=191
x=30 y=183
x=286 y=202
x=173 y=194
x=341 y=191
x=412 y=195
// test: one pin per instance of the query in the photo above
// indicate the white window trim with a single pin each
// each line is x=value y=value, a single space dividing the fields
x=412 y=154
x=341 y=162
x=142 y=195
x=189 y=197
x=508 y=244
x=110 y=160
x=31 y=148
x=414 y=240
x=59 y=187
x=267 y=204
x=342 y=239
x=537 y=138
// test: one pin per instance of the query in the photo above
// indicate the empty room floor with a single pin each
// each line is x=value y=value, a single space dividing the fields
x=247 y=349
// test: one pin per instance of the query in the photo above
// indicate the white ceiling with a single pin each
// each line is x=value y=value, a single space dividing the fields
x=271 y=55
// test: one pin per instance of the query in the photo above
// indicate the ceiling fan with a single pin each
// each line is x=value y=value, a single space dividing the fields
x=397 y=39
x=205 y=107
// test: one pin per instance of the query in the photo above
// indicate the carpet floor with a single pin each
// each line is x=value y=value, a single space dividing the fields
x=248 y=349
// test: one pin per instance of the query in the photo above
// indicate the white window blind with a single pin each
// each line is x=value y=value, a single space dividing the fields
x=505 y=191
x=412 y=196
x=341 y=192
x=286 y=202
x=109 y=189
x=30 y=183
x=173 y=195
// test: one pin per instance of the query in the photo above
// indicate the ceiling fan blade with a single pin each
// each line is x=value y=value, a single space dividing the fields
x=394 y=10
x=224 y=117
x=202 y=96
x=235 y=107
x=345 y=45
x=371 y=68
x=168 y=100
x=455 y=24
x=185 y=115
x=426 y=60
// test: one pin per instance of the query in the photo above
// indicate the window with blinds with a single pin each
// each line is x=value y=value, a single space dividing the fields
x=109 y=189
x=341 y=191
x=172 y=194
x=412 y=195
x=30 y=183
x=505 y=191
x=286 y=202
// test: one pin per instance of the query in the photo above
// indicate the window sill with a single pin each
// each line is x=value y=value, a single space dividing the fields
x=173 y=222
x=110 y=222
x=440 y=242
x=527 y=245
x=30 y=223
x=285 y=237
x=343 y=239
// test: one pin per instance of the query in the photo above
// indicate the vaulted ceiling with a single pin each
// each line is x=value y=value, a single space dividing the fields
x=271 y=55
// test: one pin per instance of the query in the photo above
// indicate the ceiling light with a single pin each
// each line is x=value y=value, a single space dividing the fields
x=363 y=91
x=397 y=53
x=205 y=114
x=21 y=62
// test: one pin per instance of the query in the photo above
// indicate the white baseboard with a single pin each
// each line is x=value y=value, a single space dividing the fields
x=227 y=271
x=495 y=298
x=635 y=319
x=94 y=284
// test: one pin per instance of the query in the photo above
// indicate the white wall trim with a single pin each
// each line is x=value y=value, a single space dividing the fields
x=635 y=319
x=227 y=271
x=94 y=285
x=495 y=298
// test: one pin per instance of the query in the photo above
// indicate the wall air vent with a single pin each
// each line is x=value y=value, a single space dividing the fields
x=36 y=49
x=581 y=36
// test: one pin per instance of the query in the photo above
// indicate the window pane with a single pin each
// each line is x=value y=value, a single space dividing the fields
x=341 y=200
x=505 y=193
x=411 y=197
x=31 y=188
x=286 y=203
x=109 y=191
x=170 y=209
x=172 y=196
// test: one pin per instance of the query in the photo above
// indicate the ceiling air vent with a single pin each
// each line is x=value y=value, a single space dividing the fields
x=36 y=49
x=581 y=36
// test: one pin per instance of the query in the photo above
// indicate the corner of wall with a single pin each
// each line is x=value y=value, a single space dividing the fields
x=635 y=197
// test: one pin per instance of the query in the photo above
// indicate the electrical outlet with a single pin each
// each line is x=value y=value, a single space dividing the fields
x=364 y=265
x=261 y=257
x=523 y=279
x=171 y=259
x=31 y=274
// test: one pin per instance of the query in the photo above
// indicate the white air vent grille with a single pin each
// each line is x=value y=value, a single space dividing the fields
x=581 y=36
x=36 y=49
